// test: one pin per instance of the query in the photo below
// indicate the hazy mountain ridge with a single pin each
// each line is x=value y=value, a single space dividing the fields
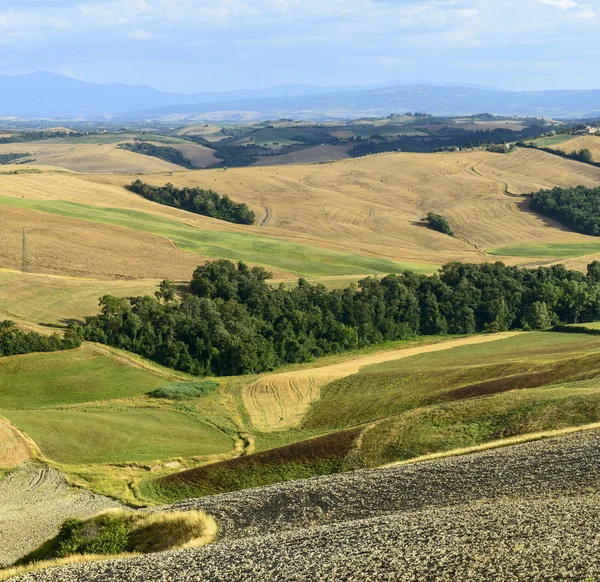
x=43 y=94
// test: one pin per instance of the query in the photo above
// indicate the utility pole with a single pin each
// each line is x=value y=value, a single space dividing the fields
x=24 y=262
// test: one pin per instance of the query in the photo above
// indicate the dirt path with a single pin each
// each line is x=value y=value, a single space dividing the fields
x=13 y=448
x=280 y=401
x=34 y=501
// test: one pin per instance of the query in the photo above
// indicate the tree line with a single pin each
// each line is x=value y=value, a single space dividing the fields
x=8 y=158
x=578 y=208
x=233 y=322
x=197 y=200
x=13 y=341
x=166 y=153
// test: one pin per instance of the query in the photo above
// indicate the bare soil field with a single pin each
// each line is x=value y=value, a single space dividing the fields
x=87 y=157
x=590 y=142
x=280 y=401
x=78 y=248
x=320 y=153
x=34 y=501
x=525 y=512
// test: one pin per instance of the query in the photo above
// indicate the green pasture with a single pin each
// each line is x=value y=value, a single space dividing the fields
x=547 y=250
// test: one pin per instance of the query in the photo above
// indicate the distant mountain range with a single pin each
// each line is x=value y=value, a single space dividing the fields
x=46 y=95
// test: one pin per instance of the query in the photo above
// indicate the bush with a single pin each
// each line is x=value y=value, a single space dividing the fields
x=116 y=532
x=439 y=223
x=185 y=390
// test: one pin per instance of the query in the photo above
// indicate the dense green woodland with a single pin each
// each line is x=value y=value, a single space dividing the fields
x=167 y=153
x=578 y=208
x=233 y=322
x=13 y=341
x=205 y=202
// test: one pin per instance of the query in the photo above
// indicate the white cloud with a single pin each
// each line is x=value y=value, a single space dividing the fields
x=562 y=4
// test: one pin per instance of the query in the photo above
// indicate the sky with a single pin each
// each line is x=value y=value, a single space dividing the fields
x=216 y=45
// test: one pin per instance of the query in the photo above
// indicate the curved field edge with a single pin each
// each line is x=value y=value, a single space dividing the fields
x=515 y=397
x=255 y=249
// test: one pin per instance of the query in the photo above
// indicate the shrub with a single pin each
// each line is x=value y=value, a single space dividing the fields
x=439 y=223
x=185 y=390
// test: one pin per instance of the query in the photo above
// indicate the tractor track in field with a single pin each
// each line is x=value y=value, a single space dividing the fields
x=280 y=401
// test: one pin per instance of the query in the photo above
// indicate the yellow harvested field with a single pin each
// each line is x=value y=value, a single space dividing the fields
x=52 y=299
x=311 y=155
x=78 y=248
x=370 y=206
x=13 y=447
x=87 y=157
x=280 y=401
x=590 y=142
x=199 y=155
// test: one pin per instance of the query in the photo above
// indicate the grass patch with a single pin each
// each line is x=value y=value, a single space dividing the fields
x=472 y=423
x=324 y=455
x=119 y=434
x=522 y=362
x=254 y=249
x=547 y=250
x=70 y=377
x=544 y=142
x=114 y=533
x=185 y=390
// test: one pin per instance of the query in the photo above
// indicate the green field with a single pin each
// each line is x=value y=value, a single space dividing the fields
x=523 y=361
x=430 y=403
x=123 y=434
x=547 y=250
x=545 y=142
x=71 y=377
x=269 y=252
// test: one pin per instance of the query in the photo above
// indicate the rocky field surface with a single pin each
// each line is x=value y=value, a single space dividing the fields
x=526 y=512
x=34 y=501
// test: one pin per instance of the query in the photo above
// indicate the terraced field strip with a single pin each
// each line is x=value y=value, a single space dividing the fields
x=270 y=252
x=13 y=448
x=280 y=401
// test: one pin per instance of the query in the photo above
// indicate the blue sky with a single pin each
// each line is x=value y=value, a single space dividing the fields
x=212 y=45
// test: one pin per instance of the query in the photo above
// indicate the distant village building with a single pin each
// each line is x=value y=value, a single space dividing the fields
x=586 y=130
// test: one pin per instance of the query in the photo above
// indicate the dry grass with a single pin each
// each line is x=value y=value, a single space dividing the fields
x=370 y=206
x=281 y=401
x=88 y=157
x=590 y=142
x=199 y=155
x=77 y=248
x=311 y=155
x=14 y=449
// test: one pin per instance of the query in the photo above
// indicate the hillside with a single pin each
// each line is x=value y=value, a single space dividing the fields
x=437 y=519
x=589 y=142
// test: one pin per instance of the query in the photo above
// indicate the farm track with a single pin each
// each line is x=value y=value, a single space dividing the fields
x=280 y=401
x=13 y=447
x=524 y=512
x=34 y=501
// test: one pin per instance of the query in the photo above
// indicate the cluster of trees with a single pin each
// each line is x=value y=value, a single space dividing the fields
x=8 y=158
x=444 y=138
x=233 y=322
x=205 y=202
x=167 y=153
x=439 y=223
x=232 y=156
x=578 y=208
x=30 y=135
x=13 y=341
